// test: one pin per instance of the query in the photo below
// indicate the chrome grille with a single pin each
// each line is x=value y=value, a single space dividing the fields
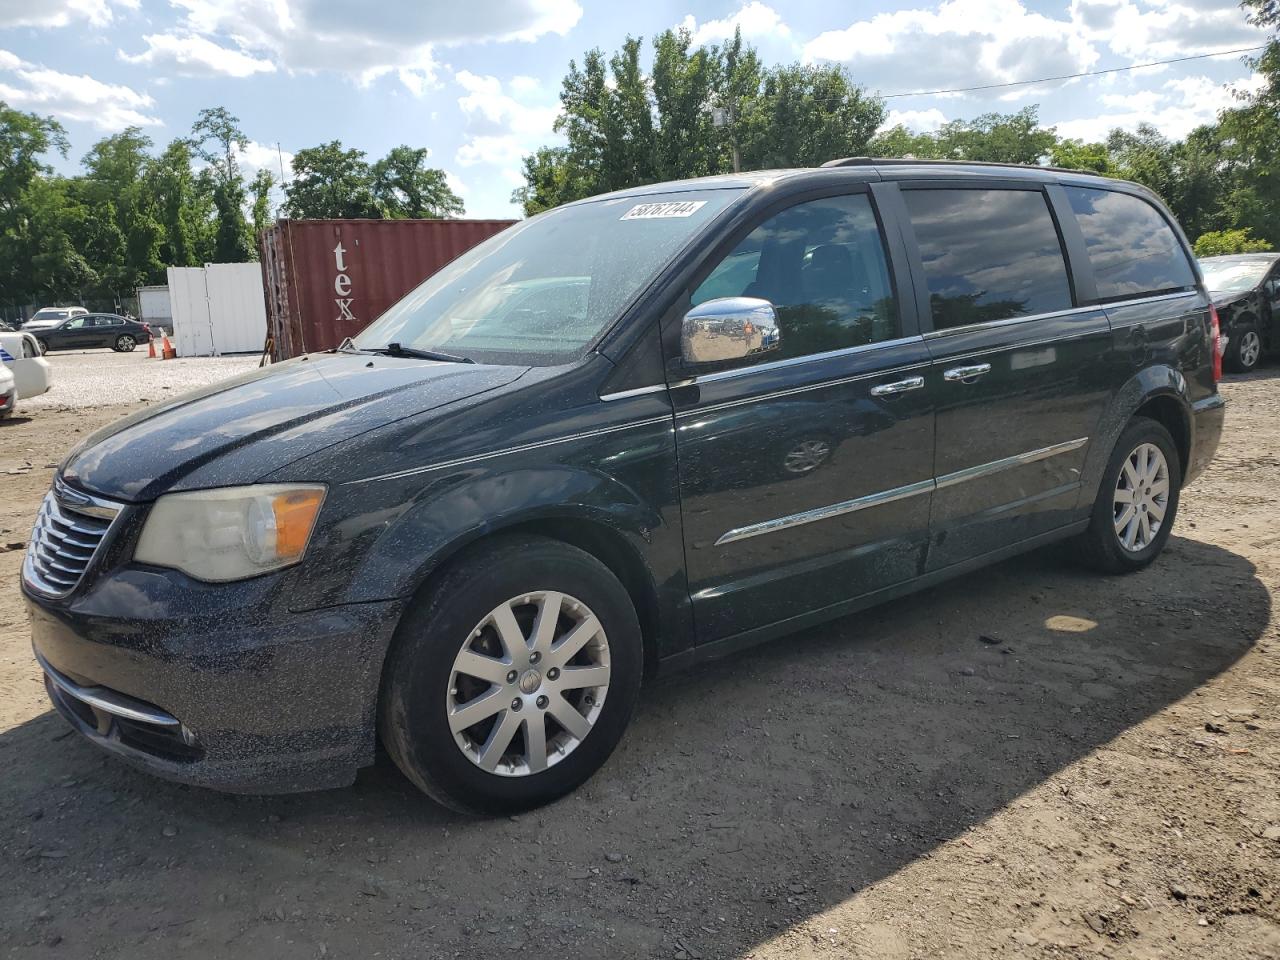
x=69 y=529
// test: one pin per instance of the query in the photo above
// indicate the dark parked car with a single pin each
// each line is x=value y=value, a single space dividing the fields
x=1245 y=288
x=95 y=330
x=761 y=401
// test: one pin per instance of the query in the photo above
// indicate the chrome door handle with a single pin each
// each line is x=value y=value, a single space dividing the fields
x=898 y=386
x=966 y=374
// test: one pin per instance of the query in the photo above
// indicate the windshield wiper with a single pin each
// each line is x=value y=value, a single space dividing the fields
x=398 y=350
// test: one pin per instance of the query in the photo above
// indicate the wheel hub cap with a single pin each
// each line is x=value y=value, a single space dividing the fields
x=528 y=684
x=1141 y=497
x=1250 y=347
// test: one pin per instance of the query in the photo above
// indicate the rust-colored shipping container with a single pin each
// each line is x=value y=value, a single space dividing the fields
x=326 y=280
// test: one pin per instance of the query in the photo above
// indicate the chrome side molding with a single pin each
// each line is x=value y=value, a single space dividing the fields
x=826 y=513
x=897 y=493
x=1017 y=460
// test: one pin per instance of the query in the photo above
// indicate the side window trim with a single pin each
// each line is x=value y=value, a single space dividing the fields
x=899 y=282
x=1084 y=287
x=920 y=281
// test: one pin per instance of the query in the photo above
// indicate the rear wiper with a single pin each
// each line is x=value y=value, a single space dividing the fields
x=398 y=350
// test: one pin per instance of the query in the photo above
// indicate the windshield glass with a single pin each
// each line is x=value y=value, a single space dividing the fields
x=1229 y=275
x=51 y=315
x=544 y=289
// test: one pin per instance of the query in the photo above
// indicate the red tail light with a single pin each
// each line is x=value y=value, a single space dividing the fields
x=1215 y=337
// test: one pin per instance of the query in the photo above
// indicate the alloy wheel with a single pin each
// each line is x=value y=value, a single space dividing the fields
x=528 y=684
x=1141 y=497
x=126 y=344
x=1250 y=348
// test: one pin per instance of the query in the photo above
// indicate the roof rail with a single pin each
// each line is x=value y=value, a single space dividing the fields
x=916 y=161
x=851 y=162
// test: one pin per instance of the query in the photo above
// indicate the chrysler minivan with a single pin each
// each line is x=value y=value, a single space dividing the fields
x=621 y=437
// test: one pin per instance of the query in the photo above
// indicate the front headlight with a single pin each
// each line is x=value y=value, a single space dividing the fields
x=230 y=533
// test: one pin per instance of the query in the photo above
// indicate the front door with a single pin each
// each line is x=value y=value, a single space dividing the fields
x=1019 y=375
x=805 y=476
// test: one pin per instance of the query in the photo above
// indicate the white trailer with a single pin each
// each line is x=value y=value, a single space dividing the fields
x=154 y=307
x=218 y=308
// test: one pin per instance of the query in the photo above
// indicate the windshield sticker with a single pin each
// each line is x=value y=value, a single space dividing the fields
x=659 y=211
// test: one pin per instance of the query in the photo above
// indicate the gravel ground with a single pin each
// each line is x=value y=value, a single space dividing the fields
x=84 y=379
x=1031 y=762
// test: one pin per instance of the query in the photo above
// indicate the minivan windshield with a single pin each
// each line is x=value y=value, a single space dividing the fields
x=1231 y=275
x=543 y=290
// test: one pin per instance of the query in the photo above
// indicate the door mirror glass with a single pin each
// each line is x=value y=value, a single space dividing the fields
x=729 y=328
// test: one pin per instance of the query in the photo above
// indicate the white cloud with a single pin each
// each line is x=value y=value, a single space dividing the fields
x=1175 y=108
x=193 y=55
x=490 y=112
x=59 y=13
x=256 y=156
x=107 y=106
x=756 y=20
x=390 y=38
x=918 y=121
x=960 y=43
x=1160 y=29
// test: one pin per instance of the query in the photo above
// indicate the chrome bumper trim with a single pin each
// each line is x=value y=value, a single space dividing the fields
x=108 y=701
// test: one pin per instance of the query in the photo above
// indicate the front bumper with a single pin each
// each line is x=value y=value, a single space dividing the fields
x=1208 y=416
x=246 y=702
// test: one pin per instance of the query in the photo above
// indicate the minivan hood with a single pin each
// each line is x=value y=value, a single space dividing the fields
x=244 y=428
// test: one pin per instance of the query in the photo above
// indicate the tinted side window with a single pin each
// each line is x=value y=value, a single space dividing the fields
x=988 y=254
x=822 y=265
x=1131 y=246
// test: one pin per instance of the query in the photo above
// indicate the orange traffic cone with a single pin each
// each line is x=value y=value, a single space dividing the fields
x=168 y=353
x=151 y=349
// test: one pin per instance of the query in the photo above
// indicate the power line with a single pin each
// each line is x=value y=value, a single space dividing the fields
x=1070 y=76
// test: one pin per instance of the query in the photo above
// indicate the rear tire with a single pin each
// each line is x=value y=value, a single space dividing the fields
x=1244 y=351
x=1137 y=500
x=427 y=683
x=44 y=346
x=125 y=343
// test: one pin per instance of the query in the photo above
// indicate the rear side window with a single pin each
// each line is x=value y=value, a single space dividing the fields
x=822 y=265
x=1133 y=249
x=988 y=254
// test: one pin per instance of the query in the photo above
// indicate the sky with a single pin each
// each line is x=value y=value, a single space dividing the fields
x=477 y=81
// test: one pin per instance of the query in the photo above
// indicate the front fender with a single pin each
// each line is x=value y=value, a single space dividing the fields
x=456 y=511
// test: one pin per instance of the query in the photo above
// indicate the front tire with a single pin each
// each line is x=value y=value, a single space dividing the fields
x=510 y=682
x=1137 y=501
x=44 y=346
x=1244 y=351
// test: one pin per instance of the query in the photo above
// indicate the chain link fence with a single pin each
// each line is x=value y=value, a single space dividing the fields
x=18 y=313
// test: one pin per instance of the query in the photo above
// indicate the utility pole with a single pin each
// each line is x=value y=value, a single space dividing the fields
x=733 y=134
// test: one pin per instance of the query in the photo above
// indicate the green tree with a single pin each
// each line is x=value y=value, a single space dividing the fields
x=216 y=137
x=184 y=207
x=25 y=140
x=702 y=110
x=404 y=187
x=805 y=115
x=1078 y=155
x=1219 y=242
x=261 y=186
x=114 y=185
x=684 y=81
x=330 y=183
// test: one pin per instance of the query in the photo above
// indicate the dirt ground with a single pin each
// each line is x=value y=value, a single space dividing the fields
x=1030 y=761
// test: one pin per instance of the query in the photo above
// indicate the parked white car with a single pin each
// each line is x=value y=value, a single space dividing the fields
x=47 y=317
x=8 y=392
x=20 y=355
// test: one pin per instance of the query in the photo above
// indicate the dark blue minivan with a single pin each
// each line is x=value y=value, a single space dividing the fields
x=623 y=436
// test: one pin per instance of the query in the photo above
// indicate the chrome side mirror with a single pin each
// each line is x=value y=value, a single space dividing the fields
x=730 y=328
